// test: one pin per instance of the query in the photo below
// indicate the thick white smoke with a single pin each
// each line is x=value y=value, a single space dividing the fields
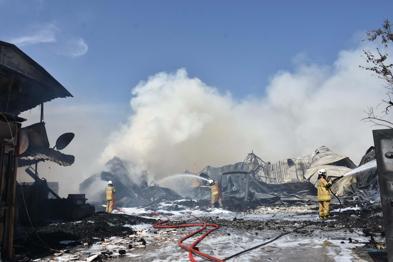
x=180 y=123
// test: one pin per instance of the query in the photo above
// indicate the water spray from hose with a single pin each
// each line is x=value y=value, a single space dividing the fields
x=185 y=175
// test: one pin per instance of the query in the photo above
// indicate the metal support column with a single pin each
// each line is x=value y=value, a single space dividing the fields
x=383 y=140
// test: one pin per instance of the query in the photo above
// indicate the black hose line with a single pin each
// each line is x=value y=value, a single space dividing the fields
x=339 y=201
x=265 y=243
x=279 y=236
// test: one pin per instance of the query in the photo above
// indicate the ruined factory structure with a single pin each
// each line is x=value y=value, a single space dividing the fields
x=258 y=201
x=318 y=207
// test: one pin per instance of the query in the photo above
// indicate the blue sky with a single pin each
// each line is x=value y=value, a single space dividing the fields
x=100 y=49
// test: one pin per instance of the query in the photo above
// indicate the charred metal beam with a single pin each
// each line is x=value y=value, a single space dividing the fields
x=34 y=175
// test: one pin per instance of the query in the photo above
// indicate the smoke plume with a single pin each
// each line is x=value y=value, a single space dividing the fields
x=179 y=122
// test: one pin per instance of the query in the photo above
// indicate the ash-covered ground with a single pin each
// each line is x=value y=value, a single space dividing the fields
x=288 y=211
x=353 y=233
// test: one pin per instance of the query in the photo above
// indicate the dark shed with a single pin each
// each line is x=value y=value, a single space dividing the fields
x=24 y=84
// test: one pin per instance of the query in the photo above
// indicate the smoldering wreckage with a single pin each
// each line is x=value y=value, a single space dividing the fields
x=265 y=210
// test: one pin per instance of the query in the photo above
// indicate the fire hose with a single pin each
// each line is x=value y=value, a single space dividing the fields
x=330 y=190
x=193 y=249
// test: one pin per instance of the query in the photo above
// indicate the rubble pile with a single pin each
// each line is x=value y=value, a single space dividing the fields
x=240 y=183
x=45 y=240
x=368 y=220
x=132 y=189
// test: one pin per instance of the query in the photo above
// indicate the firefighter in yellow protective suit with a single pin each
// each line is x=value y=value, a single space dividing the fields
x=323 y=194
x=216 y=200
x=110 y=197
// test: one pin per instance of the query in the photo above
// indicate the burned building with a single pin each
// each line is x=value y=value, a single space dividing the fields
x=282 y=171
x=350 y=178
x=244 y=185
x=257 y=181
x=24 y=84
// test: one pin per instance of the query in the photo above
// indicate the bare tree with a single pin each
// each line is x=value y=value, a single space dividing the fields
x=379 y=64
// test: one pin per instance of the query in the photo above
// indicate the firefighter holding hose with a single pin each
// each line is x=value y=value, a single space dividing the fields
x=323 y=194
x=110 y=197
x=216 y=200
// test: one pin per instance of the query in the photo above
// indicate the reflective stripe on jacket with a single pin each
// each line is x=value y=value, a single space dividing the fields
x=110 y=190
x=323 y=190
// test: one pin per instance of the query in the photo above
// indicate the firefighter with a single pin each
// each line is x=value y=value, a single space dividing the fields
x=215 y=194
x=110 y=197
x=323 y=194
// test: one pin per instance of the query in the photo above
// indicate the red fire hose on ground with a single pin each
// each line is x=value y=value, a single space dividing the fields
x=192 y=248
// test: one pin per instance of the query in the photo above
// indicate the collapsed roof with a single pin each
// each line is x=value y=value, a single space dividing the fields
x=292 y=176
x=335 y=164
x=239 y=182
x=24 y=84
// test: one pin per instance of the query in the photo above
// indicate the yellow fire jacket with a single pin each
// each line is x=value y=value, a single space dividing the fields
x=216 y=193
x=323 y=190
x=110 y=190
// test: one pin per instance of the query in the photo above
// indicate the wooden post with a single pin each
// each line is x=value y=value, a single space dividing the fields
x=8 y=173
x=10 y=217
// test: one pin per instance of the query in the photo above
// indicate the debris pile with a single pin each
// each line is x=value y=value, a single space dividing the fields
x=45 y=240
x=243 y=185
x=131 y=188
